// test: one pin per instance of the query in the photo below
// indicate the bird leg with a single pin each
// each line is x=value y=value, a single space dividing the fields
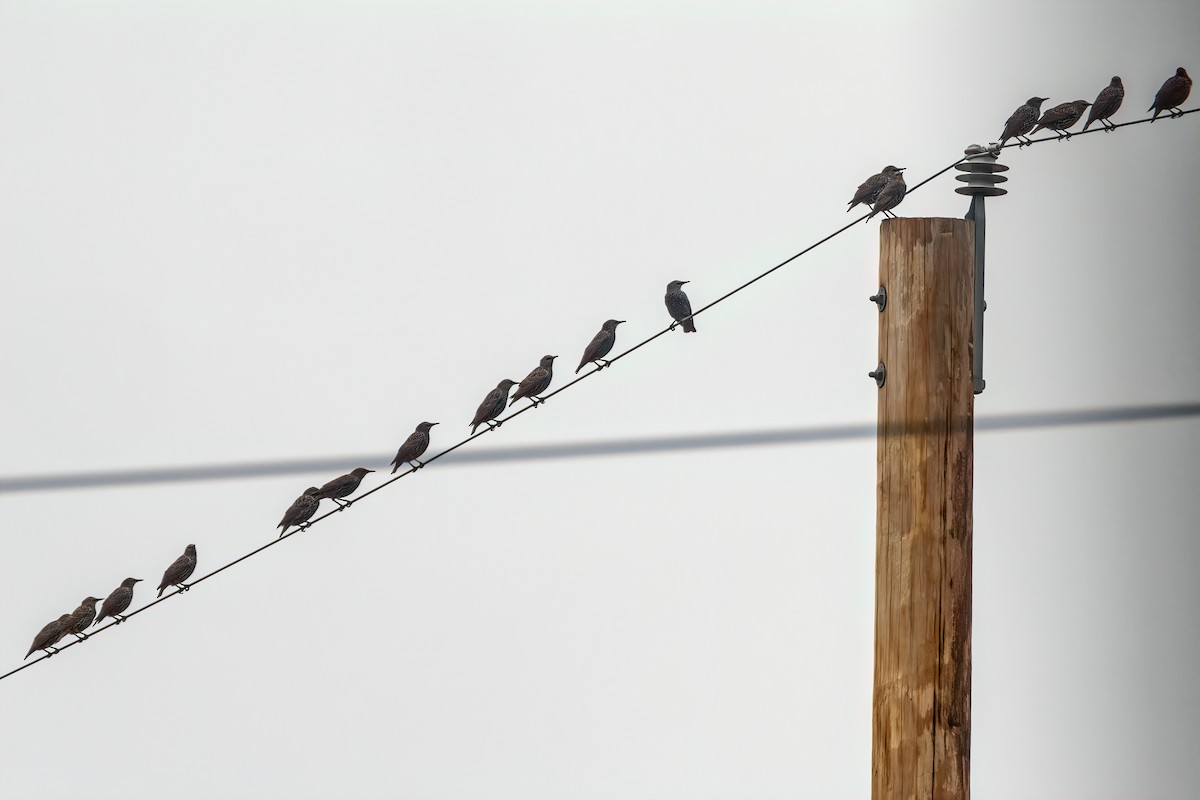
x=673 y=324
x=493 y=424
x=537 y=401
x=601 y=363
x=183 y=587
x=80 y=636
x=346 y=504
x=119 y=619
x=419 y=463
x=340 y=503
x=1176 y=113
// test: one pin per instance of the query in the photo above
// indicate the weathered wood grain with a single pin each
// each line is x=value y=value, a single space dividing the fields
x=921 y=726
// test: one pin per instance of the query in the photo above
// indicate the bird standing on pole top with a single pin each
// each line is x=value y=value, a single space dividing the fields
x=180 y=570
x=679 y=307
x=301 y=510
x=49 y=635
x=1174 y=92
x=413 y=448
x=536 y=382
x=81 y=618
x=600 y=344
x=1061 y=117
x=889 y=196
x=1022 y=121
x=117 y=602
x=492 y=406
x=1106 y=104
x=869 y=189
x=343 y=486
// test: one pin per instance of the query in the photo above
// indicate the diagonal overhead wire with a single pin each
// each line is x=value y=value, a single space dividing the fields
x=44 y=656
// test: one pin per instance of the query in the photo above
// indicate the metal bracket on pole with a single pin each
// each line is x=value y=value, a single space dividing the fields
x=981 y=170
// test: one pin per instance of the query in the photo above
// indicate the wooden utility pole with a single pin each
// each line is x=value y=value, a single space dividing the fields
x=921 y=716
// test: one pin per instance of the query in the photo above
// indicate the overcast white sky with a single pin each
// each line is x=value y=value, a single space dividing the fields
x=258 y=230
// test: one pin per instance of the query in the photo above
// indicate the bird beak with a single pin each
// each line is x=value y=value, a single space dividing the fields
x=434 y=423
x=370 y=470
x=901 y=169
x=620 y=322
x=685 y=282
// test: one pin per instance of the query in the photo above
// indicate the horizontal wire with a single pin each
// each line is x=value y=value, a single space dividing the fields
x=642 y=445
x=544 y=397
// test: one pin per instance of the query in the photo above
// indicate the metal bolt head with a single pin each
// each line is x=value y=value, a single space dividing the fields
x=880 y=375
x=880 y=299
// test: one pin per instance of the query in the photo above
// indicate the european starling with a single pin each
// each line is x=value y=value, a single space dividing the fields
x=600 y=344
x=1022 y=121
x=49 y=635
x=1107 y=103
x=414 y=447
x=81 y=618
x=679 y=307
x=492 y=405
x=869 y=189
x=1061 y=117
x=117 y=602
x=342 y=486
x=1172 y=94
x=890 y=196
x=180 y=570
x=536 y=382
x=300 y=511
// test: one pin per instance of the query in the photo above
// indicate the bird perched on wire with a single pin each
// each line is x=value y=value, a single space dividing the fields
x=1106 y=104
x=49 y=635
x=869 y=189
x=679 y=307
x=81 y=618
x=300 y=511
x=536 y=382
x=180 y=570
x=600 y=344
x=492 y=405
x=343 y=486
x=889 y=196
x=117 y=602
x=1174 y=92
x=1061 y=117
x=413 y=448
x=1022 y=121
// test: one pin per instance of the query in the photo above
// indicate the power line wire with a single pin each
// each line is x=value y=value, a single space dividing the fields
x=586 y=449
x=562 y=388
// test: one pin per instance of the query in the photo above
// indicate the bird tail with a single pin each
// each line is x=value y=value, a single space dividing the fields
x=395 y=467
x=27 y=655
x=515 y=398
x=689 y=326
x=1089 y=122
x=160 y=589
x=98 y=621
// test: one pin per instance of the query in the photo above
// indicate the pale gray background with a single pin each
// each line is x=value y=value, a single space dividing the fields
x=255 y=230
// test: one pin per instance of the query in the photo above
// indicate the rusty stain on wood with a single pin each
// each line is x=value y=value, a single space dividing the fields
x=921 y=716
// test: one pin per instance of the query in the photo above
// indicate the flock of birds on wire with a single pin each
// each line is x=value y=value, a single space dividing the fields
x=882 y=192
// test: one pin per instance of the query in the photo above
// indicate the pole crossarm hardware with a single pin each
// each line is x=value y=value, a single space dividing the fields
x=981 y=172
